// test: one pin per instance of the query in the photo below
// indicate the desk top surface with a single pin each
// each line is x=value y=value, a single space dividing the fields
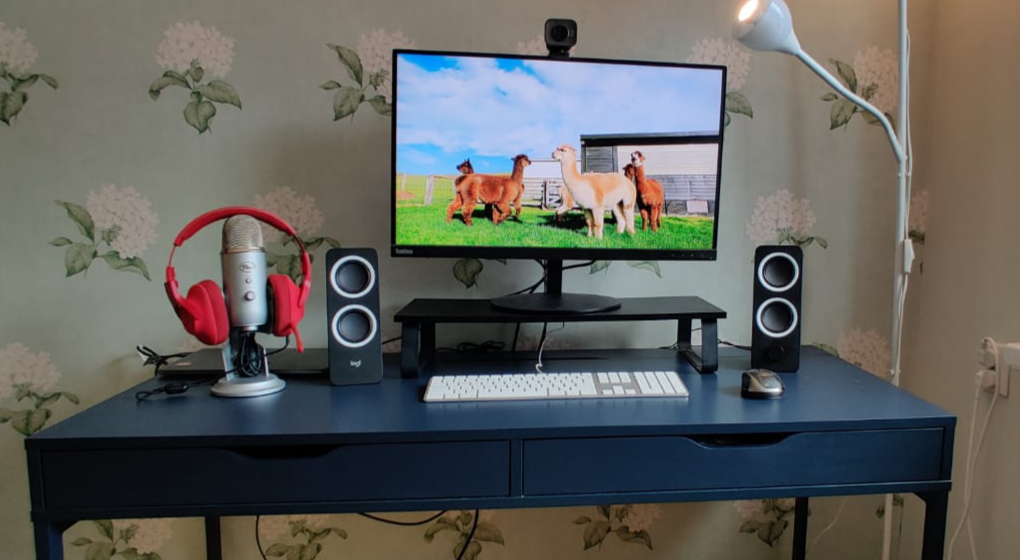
x=826 y=394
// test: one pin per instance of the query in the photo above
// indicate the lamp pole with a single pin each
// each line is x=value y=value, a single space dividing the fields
x=766 y=25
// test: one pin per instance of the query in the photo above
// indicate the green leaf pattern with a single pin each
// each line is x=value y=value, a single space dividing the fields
x=461 y=523
x=628 y=522
x=307 y=538
x=842 y=111
x=80 y=255
x=348 y=99
x=766 y=519
x=14 y=94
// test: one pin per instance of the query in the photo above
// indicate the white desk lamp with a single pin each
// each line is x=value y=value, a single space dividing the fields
x=766 y=25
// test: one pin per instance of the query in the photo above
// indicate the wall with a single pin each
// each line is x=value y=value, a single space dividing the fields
x=971 y=257
x=137 y=166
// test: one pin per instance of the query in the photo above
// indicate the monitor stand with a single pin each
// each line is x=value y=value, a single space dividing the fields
x=553 y=300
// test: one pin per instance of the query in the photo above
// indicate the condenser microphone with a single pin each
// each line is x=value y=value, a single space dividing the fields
x=244 y=273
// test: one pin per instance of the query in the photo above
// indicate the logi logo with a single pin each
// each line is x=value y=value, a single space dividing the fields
x=356 y=363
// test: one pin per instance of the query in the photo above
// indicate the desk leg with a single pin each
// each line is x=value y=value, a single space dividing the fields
x=49 y=540
x=213 y=548
x=934 y=543
x=800 y=518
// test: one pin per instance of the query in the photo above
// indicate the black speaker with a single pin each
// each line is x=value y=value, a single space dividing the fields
x=352 y=305
x=775 y=321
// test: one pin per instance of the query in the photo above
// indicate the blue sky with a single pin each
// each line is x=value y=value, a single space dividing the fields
x=452 y=108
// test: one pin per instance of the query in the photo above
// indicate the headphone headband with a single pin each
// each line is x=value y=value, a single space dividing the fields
x=211 y=216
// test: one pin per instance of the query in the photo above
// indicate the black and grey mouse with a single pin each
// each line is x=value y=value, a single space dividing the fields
x=761 y=384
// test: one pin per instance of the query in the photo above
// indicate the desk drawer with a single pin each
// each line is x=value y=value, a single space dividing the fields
x=195 y=476
x=670 y=463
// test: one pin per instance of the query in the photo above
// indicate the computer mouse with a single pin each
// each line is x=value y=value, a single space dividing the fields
x=761 y=384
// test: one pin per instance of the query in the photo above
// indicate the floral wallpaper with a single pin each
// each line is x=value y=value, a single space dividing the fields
x=148 y=129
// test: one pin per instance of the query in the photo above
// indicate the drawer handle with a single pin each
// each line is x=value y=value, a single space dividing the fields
x=725 y=441
x=268 y=453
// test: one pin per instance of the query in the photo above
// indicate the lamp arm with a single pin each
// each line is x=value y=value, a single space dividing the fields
x=856 y=99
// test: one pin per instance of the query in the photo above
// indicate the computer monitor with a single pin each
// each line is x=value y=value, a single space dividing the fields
x=507 y=156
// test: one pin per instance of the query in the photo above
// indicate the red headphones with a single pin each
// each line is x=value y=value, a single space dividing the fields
x=204 y=311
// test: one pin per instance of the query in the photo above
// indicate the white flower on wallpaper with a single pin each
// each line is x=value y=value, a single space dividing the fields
x=191 y=52
x=127 y=538
x=724 y=52
x=866 y=349
x=185 y=43
x=641 y=516
x=144 y=535
x=303 y=214
x=17 y=55
x=737 y=60
x=879 y=69
x=20 y=367
x=917 y=223
x=368 y=66
x=16 y=52
x=766 y=519
x=297 y=536
x=126 y=212
x=28 y=376
x=629 y=523
x=120 y=218
x=782 y=218
x=874 y=75
x=461 y=523
x=535 y=46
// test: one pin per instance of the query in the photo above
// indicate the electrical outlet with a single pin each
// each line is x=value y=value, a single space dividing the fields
x=1009 y=362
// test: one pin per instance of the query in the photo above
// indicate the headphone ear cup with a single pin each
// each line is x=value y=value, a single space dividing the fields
x=287 y=312
x=208 y=313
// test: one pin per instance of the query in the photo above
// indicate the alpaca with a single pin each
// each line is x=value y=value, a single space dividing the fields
x=651 y=195
x=497 y=190
x=566 y=204
x=597 y=192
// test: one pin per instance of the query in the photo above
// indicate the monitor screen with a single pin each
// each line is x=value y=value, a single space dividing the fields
x=505 y=156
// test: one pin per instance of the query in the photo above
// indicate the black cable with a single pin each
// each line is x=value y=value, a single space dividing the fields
x=394 y=339
x=487 y=346
x=258 y=541
x=176 y=388
x=402 y=523
x=517 y=332
x=151 y=357
x=471 y=535
x=737 y=346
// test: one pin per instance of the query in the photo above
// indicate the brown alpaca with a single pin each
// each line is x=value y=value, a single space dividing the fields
x=465 y=169
x=498 y=190
x=651 y=195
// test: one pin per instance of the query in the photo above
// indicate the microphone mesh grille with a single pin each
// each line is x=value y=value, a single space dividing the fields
x=242 y=233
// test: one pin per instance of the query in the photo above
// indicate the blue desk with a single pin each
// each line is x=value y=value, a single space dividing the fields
x=315 y=448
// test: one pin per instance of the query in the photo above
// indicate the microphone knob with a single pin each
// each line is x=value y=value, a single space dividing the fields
x=249 y=296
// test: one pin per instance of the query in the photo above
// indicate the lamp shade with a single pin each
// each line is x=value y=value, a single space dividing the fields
x=766 y=25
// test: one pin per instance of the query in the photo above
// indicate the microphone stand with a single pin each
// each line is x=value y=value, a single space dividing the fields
x=246 y=376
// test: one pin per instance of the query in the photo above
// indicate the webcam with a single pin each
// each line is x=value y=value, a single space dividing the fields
x=560 y=35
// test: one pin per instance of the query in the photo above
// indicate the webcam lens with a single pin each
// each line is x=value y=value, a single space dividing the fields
x=560 y=33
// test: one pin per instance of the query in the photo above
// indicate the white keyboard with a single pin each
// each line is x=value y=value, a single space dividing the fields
x=546 y=386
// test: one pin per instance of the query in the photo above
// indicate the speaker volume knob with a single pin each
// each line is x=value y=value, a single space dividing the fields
x=776 y=352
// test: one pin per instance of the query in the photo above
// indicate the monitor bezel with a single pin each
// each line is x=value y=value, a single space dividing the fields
x=544 y=253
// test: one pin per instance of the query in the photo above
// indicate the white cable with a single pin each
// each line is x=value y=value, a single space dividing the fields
x=831 y=524
x=538 y=366
x=973 y=453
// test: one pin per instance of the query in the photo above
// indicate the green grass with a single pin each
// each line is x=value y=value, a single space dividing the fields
x=426 y=225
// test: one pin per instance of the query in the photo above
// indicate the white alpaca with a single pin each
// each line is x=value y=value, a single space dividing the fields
x=597 y=192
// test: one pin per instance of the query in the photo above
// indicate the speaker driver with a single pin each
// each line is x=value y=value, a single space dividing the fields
x=354 y=326
x=778 y=272
x=777 y=317
x=352 y=276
